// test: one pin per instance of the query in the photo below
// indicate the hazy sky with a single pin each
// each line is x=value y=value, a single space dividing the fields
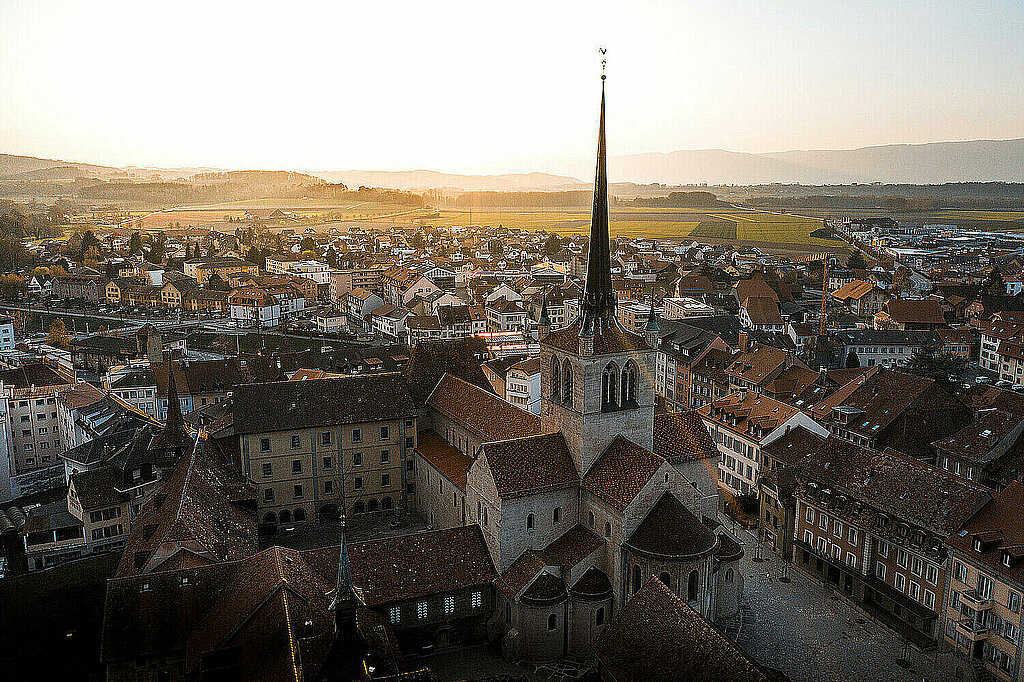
x=486 y=86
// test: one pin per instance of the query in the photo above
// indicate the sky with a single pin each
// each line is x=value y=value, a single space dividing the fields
x=495 y=87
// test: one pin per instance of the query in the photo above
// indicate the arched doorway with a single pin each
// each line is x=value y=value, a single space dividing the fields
x=286 y=516
x=270 y=517
x=300 y=514
x=371 y=506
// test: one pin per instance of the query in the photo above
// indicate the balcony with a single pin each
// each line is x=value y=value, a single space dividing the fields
x=973 y=630
x=974 y=600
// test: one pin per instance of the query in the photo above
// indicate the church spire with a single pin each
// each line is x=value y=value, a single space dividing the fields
x=598 y=301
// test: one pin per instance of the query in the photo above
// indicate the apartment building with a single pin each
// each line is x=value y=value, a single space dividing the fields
x=31 y=426
x=6 y=333
x=344 y=281
x=200 y=269
x=741 y=424
x=982 y=619
x=522 y=385
x=317 y=447
x=872 y=526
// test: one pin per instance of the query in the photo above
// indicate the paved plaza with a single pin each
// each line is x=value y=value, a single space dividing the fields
x=809 y=632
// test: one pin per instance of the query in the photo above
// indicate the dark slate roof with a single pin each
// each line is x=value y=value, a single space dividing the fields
x=547 y=589
x=97 y=488
x=593 y=584
x=670 y=530
x=284 y=405
x=656 y=637
x=682 y=436
x=793 y=445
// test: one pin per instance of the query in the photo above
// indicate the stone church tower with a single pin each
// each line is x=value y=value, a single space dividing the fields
x=597 y=378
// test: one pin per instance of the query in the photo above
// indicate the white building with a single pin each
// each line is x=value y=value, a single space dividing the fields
x=681 y=308
x=6 y=333
x=522 y=385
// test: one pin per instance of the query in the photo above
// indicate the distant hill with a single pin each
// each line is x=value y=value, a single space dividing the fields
x=932 y=163
x=31 y=168
x=426 y=179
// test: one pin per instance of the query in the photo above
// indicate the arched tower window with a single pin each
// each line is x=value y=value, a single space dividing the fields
x=529 y=522
x=636 y=578
x=552 y=622
x=691 y=588
x=567 y=383
x=629 y=375
x=609 y=386
x=556 y=379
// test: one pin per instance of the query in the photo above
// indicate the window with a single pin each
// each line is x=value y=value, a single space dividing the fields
x=95 y=517
x=328 y=487
x=880 y=570
x=567 y=387
x=328 y=462
x=607 y=529
x=959 y=572
x=984 y=586
x=693 y=584
x=590 y=519
x=357 y=482
x=297 y=492
x=901 y=582
x=931 y=574
x=357 y=459
x=264 y=445
x=357 y=435
x=529 y=522
x=854 y=537
x=385 y=480
x=552 y=621
x=385 y=432
x=421 y=609
x=915 y=590
x=449 y=604
x=296 y=442
x=385 y=456
x=556 y=515
x=609 y=385
x=268 y=494
x=851 y=560
x=929 y=599
x=917 y=567
x=902 y=559
x=599 y=618
x=883 y=549
x=808 y=537
x=296 y=466
x=325 y=438
x=396 y=614
x=1013 y=602
x=476 y=600
x=823 y=522
x=556 y=379
x=837 y=529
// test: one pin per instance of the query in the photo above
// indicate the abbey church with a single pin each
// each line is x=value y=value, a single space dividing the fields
x=576 y=507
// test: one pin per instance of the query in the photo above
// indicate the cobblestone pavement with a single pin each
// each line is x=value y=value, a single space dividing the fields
x=360 y=528
x=486 y=662
x=809 y=632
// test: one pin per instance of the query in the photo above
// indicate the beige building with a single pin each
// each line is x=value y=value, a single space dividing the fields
x=316 y=447
x=982 y=620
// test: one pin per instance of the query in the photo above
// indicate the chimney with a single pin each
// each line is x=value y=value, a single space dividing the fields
x=743 y=340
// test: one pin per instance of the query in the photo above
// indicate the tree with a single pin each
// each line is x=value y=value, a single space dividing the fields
x=11 y=286
x=217 y=283
x=59 y=337
x=994 y=283
x=111 y=271
x=856 y=261
x=254 y=255
x=157 y=246
x=135 y=244
x=89 y=241
x=331 y=257
x=307 y=244
x=553 y=245
x=418 y=241
x=852 y=360
x=932 y=362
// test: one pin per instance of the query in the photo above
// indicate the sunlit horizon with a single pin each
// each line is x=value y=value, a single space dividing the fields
x=463 y=88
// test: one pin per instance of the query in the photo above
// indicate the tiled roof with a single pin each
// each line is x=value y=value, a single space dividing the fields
x=575 y=545
x=619 y=475
x=412 y=566
x=614 y=339
x=481 y=412
x=656 y=637
x=81 y=395
x=757 y=364
x=793 y=445
x=285 y=405
x=750 y=410
x=903 y=487
x=1000 y=519
x=978 y=439
x=431 y=360
x=524 y=569
x=910 y=311
x=192 y=510
x=444 y=457
x=533 y=464
x=762 y=310
x=97 y=488
x=854 y=290
x=682 y=436
x=671 y=530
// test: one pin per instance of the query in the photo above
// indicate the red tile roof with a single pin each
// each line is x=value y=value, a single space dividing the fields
x=481 y=412
x=682 y=436
x=524 y=466
x=444 y=457
x=621 y=472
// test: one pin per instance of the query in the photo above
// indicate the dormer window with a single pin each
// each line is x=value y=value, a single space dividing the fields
x=977 y=545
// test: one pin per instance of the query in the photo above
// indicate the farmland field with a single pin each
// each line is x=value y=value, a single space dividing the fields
x=657 y=223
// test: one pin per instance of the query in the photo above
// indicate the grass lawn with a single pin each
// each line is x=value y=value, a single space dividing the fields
x=51 y=621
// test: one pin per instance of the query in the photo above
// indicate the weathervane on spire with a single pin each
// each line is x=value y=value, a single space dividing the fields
x=604 y=61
